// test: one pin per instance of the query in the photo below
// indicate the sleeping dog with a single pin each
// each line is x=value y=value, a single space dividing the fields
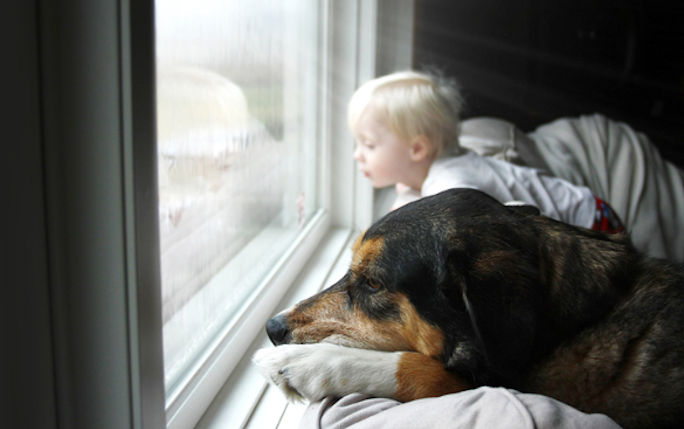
x=457 y=290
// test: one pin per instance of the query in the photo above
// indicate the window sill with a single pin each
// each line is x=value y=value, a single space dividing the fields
x=246 y=400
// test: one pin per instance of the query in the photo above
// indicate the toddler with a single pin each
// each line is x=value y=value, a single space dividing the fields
x=406 y=127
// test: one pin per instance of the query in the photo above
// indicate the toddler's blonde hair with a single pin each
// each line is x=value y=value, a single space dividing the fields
x=413 y=104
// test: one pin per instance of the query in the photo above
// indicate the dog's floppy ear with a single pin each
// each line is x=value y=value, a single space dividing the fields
x=493 y=289
x=522 y=208
x=465 y=353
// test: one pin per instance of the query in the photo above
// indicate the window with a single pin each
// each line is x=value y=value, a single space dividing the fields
x=255 y=174
x=238 y=102
x=94 y=71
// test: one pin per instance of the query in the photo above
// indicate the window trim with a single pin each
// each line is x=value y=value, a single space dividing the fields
x=97 y=117
x=238 y=403
x=186 y=407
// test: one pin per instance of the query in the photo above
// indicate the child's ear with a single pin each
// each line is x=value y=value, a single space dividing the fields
x=420 y=148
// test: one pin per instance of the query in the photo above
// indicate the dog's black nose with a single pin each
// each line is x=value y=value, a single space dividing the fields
x=277 y=330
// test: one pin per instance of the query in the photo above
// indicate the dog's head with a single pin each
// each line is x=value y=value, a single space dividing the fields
x=458 y=276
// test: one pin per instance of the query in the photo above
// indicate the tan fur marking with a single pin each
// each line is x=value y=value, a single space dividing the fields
x=421 y=335
x=324 y=317
x=419 y=376
x=412 y=333
x=329 y=317
x=366 y=252
x=357 y=242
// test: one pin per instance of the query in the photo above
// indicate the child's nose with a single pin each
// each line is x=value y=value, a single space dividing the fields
x=358 y=156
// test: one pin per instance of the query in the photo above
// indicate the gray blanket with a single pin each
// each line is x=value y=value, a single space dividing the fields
x=619 y=165
x=482 y=408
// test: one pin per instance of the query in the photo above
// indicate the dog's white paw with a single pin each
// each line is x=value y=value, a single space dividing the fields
x=274 y=365
x=314 y=371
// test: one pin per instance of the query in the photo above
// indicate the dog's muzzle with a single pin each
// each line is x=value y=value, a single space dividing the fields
x=277 y=330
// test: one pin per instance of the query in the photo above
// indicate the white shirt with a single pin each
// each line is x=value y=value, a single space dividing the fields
x=554 y=197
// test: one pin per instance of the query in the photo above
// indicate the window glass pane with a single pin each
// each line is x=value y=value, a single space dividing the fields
x=236 y=115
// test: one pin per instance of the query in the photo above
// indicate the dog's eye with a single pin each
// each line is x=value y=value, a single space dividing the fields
x=373 y=285
x=364 y=284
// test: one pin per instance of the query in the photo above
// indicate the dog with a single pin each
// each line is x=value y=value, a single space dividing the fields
x=457 y=291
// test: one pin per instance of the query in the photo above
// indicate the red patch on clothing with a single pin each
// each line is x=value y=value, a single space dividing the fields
x=605 y=218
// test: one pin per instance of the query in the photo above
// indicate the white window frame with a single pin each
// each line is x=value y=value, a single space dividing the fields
x=96 y=90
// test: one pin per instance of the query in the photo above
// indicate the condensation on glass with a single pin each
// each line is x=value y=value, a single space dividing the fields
x=236 y=116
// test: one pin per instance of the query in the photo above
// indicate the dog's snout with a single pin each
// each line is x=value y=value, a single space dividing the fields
x=277 y=330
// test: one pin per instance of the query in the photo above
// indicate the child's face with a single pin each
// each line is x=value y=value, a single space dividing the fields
x=381 y=155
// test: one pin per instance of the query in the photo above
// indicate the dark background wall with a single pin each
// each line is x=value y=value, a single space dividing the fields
x=532 y=61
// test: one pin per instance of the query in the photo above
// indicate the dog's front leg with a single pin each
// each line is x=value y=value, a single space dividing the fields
x=420 y=376
x=314 y=371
